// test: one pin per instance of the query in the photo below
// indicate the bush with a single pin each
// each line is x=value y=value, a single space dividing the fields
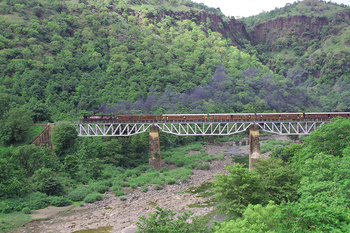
x=59 y=201
x=101 y=188
x=79 y=193
x=92 y=197
x=119 y=192
x=144 y=188
x=202 y=166
x=122 y=198
x=37 y=200
x=164 y=221
x=5 y=208
x=26 y=210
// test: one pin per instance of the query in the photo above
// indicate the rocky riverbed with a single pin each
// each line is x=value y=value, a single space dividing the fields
x=121 y=216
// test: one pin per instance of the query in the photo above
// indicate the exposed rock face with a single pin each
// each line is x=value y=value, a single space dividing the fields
x=298 y=26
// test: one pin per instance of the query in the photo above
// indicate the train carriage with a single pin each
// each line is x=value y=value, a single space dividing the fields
x=125 y=118
x=291 y=116
x=341 y=114
x=243 y=116
x=149 y=117
x=173 y=117
x=267 y=116
x=221 y=117
x=194 y=117
x=316 y=115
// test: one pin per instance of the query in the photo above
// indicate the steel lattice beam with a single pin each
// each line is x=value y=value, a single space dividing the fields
x=198 y=128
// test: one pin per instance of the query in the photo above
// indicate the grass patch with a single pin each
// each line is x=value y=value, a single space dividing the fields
x=8 y=222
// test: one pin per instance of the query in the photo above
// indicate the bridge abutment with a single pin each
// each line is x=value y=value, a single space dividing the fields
x=44 y=138
x=254 y=146
x=155 y=159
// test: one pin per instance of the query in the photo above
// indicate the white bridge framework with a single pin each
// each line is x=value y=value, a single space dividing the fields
x=200 y=128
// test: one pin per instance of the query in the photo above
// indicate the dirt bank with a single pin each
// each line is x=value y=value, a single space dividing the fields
x=122 y=215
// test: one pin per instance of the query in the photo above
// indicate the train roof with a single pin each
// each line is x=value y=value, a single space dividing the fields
x=285 y=113
x=225 y=114
x=327 y=112
x=203 y=114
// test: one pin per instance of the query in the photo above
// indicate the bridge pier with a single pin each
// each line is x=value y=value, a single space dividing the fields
x=155 y=159
x=254 y=146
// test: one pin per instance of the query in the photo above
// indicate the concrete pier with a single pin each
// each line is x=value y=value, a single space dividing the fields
x=155 y=158
x=254 y=146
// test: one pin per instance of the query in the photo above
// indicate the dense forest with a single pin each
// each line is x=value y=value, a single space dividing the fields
x=60 y=59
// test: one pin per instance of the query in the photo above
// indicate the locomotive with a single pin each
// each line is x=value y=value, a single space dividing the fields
x=215 y=117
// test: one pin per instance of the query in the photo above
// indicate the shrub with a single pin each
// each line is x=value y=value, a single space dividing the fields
x=92 y=197
x=26 y=210
x=101 y=188
x=59 y=201
x=202 y=166
x=158 y=186
x=122 y=198
x=79 y=193
x=37 y=200
x=170 y=180
x=144 y=188
x=5 y=208
x=119 y=192
x=163 y=220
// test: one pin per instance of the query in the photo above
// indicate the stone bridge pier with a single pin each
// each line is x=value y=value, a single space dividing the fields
x=155 y=158
x=254 y=146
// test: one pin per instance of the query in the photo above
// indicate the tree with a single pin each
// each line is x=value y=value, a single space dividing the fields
x=15 y=125
x=238 y=189
x=30 y=158
x=64 y=136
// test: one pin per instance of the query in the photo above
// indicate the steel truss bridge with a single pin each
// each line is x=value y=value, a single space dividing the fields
x=200 y=128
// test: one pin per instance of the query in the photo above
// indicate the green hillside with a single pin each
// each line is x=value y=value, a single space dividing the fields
x=307 y=41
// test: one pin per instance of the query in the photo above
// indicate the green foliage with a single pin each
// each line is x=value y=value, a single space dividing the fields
x=286 y=153
x=63 y=138
x=79 y=193
x=332 y=139
x=163 y=220
x=271 y=143
x=122 y=198
x=317 y=217
x=59 y=201
x=99 y=187
x=279 y=181
x=26 y=210
x=93 y=197
x=47 y=182
x=30 y=158
x=238 y=189
x=255 y=218
x=14 y=126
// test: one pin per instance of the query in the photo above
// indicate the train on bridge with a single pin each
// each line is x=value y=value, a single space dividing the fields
x=215 y=117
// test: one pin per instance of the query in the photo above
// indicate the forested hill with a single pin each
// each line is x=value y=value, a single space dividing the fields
x=308 y=41
x=59 y=59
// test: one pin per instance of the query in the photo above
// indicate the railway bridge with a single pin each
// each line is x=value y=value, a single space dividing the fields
x=205 y=126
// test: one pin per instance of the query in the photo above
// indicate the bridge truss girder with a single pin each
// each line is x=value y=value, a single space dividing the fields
x=290 y=128
x=197 y=128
